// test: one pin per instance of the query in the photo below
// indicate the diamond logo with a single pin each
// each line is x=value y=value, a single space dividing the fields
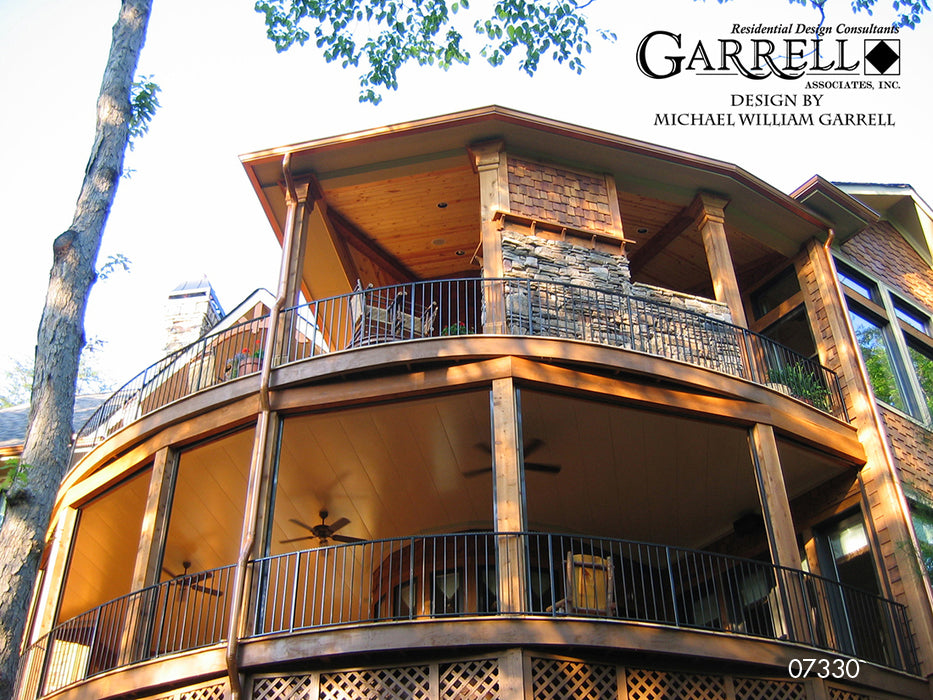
x=882 y=57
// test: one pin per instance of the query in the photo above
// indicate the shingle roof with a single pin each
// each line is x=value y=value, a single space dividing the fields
x=15 y=419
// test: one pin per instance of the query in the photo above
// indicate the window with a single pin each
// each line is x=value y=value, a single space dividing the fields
x=893 y=335
x=856 y=282
x=775 y=292
x=923 y=526
x=921 y=359
x=876 y=353
x=911 y=316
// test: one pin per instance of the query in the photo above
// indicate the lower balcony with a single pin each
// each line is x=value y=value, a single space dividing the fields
x=470 y=577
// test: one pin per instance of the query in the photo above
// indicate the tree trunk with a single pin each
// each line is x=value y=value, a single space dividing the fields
x=60 y=340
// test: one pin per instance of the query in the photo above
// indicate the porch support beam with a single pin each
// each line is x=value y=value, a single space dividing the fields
x=298 y=210
x=775 y=506
x=509 y=493
x=779 y=526
x=53 y=579
x=155 y=519
x=490 y=164
x=708 y=213
x=147 y=570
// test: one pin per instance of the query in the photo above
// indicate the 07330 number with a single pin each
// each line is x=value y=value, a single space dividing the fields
x=823 y=668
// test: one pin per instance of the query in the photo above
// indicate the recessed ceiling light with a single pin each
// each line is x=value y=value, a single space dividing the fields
x=438 y=242
x=461 y=252
x=442 y=205
x=642 y=230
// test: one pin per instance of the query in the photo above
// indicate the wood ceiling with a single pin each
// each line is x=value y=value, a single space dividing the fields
x=402 y=215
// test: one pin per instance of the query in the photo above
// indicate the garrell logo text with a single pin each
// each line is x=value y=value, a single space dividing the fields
x=659 y=56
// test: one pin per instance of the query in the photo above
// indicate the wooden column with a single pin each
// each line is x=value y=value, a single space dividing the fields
x=490 y=165
x=512 y=675
x=779 y=526
x=155 y=520
x=709 y=216
x=56 y=568
x=255 y=520
x=508 y=494
x=297 y=212
x=885 y=504
x=772 y=492
x=147 y=570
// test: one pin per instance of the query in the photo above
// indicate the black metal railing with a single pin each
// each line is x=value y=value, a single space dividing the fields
x=628 y=320
x=469 y=575
x=465 y=307
x=571 y=576
x=181 y=614
x=219 y=357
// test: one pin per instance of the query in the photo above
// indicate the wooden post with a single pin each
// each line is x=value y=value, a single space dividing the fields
x=779 y=526
x=134 y=643
x=290 y=274
x=709 y=216
x=54 y=579
x=512 y=675
x=296 y=216
x=490 y=164
x=509 y=495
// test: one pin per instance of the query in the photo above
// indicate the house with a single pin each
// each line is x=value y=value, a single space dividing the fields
x=538 y=412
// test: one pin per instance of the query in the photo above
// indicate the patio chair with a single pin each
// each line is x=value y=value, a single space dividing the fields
x=589 y=586
x=372 y=322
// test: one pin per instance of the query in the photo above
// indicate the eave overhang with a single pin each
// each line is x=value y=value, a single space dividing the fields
x=756 y=208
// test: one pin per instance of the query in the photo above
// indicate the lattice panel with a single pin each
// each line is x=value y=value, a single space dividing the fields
x=470 y=680
x=283 y=688
x=843 y=694
x=665 y=685
x=407 y=683
x=761 y=689
x=553 y=679
x=213 y=692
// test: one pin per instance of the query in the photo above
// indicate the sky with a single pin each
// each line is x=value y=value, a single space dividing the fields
x=187 y=208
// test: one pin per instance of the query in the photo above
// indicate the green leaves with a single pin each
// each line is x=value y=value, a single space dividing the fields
x=144 y=101
x=13 y=472
x=384 y=35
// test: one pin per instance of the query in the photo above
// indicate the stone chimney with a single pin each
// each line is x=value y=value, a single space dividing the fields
x=191 y=311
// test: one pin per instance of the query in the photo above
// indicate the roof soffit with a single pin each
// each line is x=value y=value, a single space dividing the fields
x=638 y=167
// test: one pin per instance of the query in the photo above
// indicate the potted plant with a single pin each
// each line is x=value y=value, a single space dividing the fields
x=459 y=328
x=801 y=383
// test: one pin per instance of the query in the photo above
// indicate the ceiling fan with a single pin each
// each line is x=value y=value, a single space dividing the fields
x=193 y=581
x=530 y=448
x=323 y=531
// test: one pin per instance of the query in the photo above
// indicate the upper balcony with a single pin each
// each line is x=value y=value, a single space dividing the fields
x=645 y=320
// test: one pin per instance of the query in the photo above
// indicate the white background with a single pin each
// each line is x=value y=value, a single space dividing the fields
x=188 y=208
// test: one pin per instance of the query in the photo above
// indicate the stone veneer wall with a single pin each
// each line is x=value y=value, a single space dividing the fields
x=607 y=307
x=547 y=193
x=529 y=257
